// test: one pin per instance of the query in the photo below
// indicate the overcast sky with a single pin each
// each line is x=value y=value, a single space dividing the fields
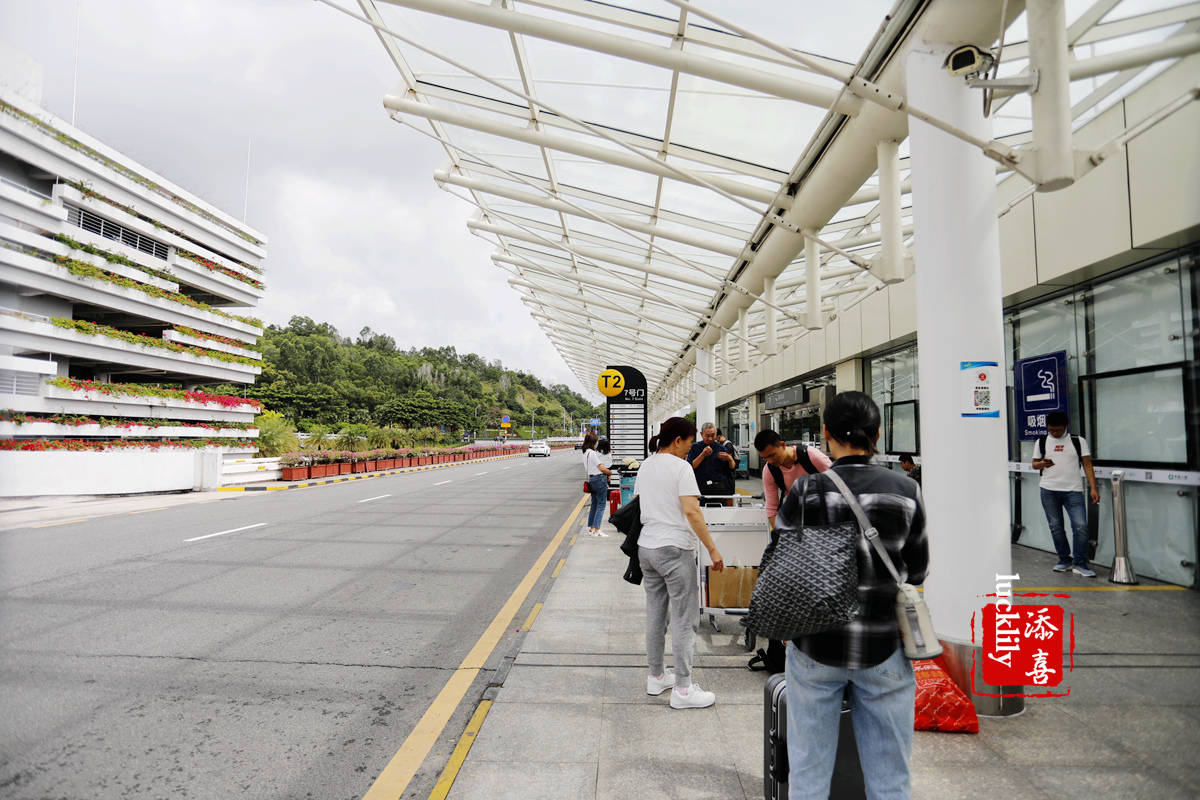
x=358 y=233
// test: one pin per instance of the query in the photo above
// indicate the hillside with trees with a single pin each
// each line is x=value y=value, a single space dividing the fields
x=322 y=382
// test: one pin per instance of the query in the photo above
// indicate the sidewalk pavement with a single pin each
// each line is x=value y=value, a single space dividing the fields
x=572 y=719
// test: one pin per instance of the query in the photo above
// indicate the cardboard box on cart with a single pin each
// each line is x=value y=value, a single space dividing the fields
x=731 y=587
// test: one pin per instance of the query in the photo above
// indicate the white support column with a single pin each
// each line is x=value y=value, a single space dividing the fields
x=743 y=360
x=890 y=266
x=720 y=358
x=706 y=399
x=814 y=320
x=771 y=346
x=1048 y=57
x=959 y=304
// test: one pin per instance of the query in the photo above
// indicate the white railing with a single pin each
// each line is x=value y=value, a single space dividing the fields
x=236 y=471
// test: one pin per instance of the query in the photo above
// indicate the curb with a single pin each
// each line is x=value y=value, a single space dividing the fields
x=362 y=476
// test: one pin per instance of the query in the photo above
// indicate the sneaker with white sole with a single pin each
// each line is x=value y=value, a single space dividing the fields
x=1084 y=572
x=692 y=697
x=656 y=686
x=1061 y=567
x=601 y=534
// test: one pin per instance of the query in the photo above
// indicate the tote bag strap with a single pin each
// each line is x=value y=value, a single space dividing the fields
x=868 y=530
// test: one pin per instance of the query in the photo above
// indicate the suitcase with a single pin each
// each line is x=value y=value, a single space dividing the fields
x=847 y=781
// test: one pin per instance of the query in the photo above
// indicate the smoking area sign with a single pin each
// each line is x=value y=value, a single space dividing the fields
x=1040 y=384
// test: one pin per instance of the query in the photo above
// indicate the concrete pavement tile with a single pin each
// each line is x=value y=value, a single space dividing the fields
x=540 y=733
x=524 y=781
x=742 y=731
x=1085 y=783
x=1161 y=739
x=633 y=733
x=1044 y=735
x=556 y=685
x=589 y=624
x=664 y=778
x=981 y=780
x=540 y=641
x=935 y=748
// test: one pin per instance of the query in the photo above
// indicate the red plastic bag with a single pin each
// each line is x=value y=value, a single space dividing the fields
x=940 y=704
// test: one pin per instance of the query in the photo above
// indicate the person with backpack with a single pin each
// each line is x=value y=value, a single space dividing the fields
x=1058 y=457
x=783 y=464
x=865 y=655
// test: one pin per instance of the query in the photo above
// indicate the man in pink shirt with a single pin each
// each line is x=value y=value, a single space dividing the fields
x=784 y=464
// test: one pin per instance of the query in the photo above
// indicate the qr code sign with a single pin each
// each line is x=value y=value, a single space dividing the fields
x=983 y=398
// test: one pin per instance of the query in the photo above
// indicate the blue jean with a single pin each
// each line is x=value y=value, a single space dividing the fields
x=881 y=701
x=1053 y=503
x=599 y=497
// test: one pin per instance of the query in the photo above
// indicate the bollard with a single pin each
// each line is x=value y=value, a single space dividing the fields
x=1122 y=570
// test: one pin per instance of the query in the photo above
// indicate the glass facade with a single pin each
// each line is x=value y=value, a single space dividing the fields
x=1131 y=345
x=892 y=382
x=1131 y=366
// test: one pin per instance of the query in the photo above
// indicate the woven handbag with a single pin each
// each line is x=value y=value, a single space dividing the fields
x=807 y=580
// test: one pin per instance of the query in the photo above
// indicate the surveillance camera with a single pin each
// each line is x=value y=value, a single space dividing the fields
x=968 y=60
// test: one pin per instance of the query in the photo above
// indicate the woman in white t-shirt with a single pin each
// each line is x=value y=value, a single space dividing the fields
x=671 y=524
x=597 y=478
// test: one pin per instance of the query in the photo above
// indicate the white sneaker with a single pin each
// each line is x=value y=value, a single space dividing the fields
x=601 y=534
x=656 y=686
x=695 y=697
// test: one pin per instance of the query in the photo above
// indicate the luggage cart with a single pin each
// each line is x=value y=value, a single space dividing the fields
x=741 y=534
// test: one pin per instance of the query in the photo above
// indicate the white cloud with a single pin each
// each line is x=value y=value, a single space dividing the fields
x=358 y=233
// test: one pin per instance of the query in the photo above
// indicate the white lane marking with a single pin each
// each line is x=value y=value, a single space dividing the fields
x=369 y=499
x=477 y=474
x=439 y=483
x=222 y=533
x=504 y=468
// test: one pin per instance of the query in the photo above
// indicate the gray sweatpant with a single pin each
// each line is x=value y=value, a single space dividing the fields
x=669 y=578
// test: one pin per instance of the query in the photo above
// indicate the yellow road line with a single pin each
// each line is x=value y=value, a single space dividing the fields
x=537 y=609
x=1099 y=588
x=148 y=510
x=400 y=770
x=574 y=539
x=558 y=568
x=442 y=788
x=56 y=524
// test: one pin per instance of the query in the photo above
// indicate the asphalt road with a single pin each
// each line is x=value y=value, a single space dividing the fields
x=288 y=659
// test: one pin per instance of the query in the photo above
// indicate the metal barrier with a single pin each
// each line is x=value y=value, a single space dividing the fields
x=250 y=470
x=1122 y=570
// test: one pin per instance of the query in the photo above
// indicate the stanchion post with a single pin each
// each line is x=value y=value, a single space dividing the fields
x=1122 y=570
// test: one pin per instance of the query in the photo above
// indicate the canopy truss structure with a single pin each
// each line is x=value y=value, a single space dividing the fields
x=663 y=177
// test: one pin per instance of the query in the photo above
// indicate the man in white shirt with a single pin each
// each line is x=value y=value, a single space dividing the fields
x=1059 y=456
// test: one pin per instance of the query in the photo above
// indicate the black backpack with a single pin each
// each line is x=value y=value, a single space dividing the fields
x=804 y=461
x=1041 y=443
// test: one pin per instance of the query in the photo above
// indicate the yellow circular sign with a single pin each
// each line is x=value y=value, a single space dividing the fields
x=610 y=383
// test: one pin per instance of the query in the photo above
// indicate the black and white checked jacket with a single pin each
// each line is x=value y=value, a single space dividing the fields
x=893 y=504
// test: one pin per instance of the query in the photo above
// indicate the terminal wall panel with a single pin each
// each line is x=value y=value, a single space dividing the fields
x=832 y=350
x=1089 y=221
x=850 y=331
x=902 y=300
x=1018 y=255
x=1164 y=162
x=816 y=349
x=876 y=318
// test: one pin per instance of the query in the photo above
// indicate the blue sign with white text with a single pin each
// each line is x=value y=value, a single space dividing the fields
x=1040 y=388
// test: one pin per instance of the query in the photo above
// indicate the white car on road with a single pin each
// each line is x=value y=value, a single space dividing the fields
x=538 y=449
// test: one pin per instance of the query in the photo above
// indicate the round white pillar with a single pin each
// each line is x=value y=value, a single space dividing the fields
x=706 y=398
x=959 y=319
